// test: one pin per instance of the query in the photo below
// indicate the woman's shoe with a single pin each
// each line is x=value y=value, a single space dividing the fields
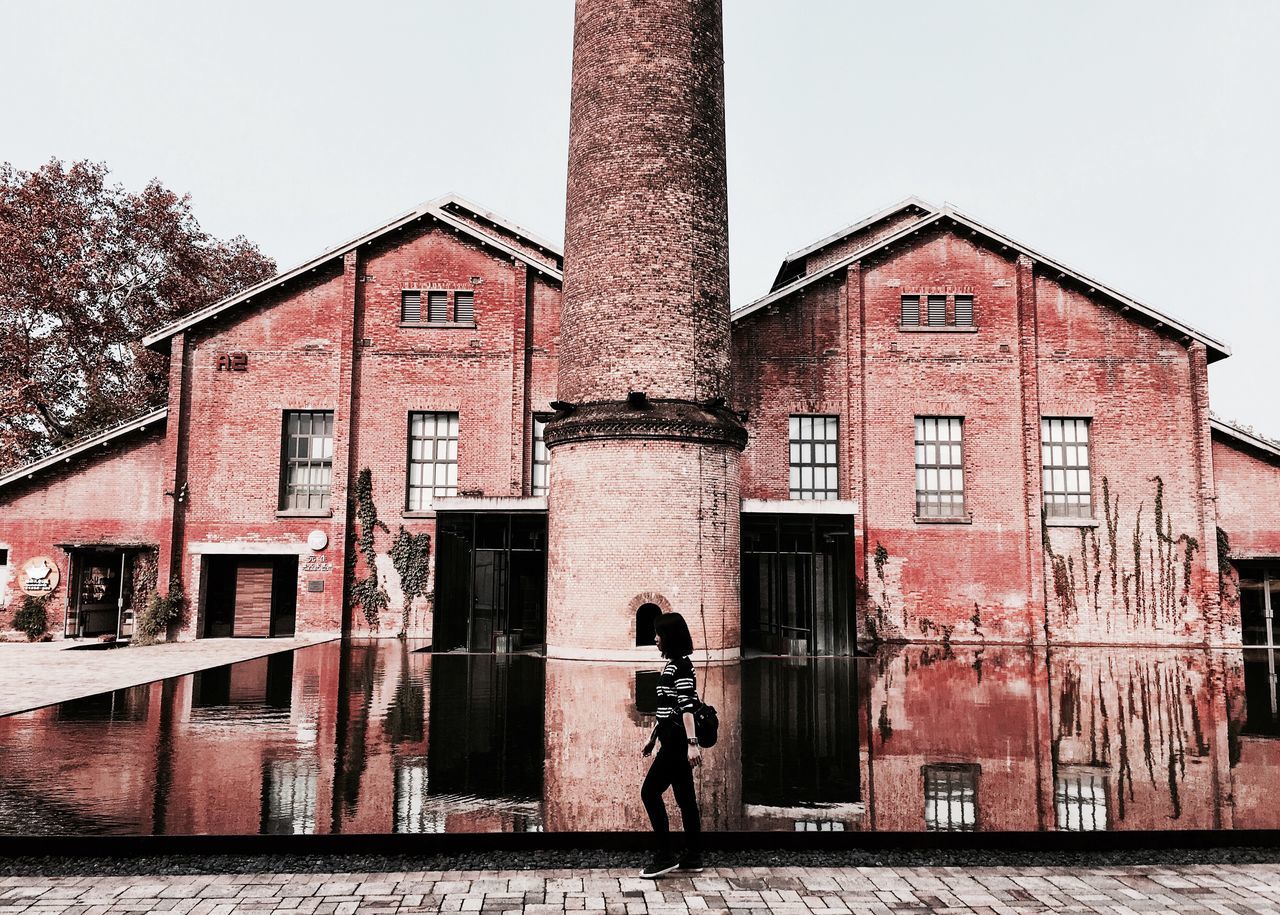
x=691 y=863
x=661 y=864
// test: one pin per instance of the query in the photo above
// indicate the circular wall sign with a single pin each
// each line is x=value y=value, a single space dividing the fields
x=317 y=540
x=40 y=576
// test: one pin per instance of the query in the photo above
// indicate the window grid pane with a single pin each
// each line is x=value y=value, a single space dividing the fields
x=939 y=467
x=541 y=457
x=307 y=460
x=814 y=465
x=1064 y=456
x=433 y=458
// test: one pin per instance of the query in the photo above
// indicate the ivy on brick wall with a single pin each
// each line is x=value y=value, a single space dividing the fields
x=366 y=592
x=411 y=556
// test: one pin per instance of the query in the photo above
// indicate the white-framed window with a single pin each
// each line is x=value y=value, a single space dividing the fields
x=306 y=460
x=541 y=475
x=939 y=467
x=433 y=458
x=814 y=465
x=1064 y=453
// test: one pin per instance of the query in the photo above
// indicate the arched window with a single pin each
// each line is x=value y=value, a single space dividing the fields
x=646 y=616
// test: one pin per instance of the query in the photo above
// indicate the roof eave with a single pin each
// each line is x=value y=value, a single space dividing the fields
x=137 y=424
x=1246 y=438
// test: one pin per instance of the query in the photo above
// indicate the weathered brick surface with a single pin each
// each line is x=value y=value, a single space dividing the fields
x=662 y=522
x=1248 y=511
x=646 y=226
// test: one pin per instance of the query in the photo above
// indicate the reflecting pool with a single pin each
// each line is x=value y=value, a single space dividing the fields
x=376 y=737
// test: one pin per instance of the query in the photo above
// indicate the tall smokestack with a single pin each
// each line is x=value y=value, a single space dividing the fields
x=644 y=503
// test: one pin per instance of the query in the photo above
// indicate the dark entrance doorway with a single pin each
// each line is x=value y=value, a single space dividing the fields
x=249 y=596
x=797 y=584
x=491 y=581
x=101 y=593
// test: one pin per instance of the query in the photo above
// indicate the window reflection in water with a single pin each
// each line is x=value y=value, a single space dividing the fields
x=951 y=797
x=371 y=737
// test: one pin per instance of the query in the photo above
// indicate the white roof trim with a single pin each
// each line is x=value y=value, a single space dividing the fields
x=799 y=507
x=950 y=213
x=515 y=229
x=859 y=226
x=1247 y=438
x=433 y=209
x=136 y=424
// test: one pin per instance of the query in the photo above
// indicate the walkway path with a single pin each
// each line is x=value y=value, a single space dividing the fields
x=41 y=673
x=1209 y=889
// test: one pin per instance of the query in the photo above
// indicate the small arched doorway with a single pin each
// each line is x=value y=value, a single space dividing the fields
x=646 y=619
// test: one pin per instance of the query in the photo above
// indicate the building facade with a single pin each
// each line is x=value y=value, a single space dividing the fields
x=950 y=438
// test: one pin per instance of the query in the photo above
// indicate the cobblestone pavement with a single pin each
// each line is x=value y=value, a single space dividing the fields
x=37 y=674
x=1211 y=889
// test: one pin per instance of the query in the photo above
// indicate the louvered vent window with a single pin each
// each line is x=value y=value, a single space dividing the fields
x=410 y=307
x=910 y=310
x=438 y=307
x=937 y=310
x=464 y=307
x=964 y=311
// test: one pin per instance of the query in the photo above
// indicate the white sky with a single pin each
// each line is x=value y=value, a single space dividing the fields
x=1138 y=142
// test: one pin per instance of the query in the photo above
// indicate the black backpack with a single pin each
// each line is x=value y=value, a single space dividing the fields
x=706 y=724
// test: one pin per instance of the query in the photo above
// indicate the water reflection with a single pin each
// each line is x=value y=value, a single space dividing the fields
x=373 y=737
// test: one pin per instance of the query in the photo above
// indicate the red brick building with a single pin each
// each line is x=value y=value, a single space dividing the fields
x=951 y=437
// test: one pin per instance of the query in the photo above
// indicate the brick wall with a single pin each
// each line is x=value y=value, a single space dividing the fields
x=1041 y=348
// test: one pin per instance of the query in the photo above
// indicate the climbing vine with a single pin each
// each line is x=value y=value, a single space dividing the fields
x=411 y=556
x=367 y=592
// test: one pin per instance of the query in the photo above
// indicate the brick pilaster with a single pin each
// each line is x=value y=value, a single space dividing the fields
x=1206 y=502
x=175 y=472
x=521 y=429
x=344 y=424
x=1029 y=395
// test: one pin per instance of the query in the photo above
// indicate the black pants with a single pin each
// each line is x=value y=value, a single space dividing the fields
x=671 y=769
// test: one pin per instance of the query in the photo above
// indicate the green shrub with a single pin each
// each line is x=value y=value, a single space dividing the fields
x=30 y=617
x=152 y=623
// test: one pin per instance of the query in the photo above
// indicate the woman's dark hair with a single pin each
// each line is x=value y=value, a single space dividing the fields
x=676 y=640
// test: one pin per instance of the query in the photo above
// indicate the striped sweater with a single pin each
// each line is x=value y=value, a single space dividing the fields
x=677 y=691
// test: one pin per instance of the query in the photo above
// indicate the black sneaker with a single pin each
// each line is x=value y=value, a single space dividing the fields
x=661 y=864
x=691 y=863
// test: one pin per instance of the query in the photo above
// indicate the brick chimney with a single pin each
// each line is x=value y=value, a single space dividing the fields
x=644 y=504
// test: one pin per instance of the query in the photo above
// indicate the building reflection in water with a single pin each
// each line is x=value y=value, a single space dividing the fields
x=375 y=737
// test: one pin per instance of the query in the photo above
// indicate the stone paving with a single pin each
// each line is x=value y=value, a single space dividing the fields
x=41 y=673
x=1210 y=889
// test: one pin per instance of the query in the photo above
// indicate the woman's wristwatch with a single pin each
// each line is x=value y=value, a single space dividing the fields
x=692 y=741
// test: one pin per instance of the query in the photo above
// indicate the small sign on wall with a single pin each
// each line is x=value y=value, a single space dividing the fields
x=232 y=362
x=315 y=584
x=40 y=576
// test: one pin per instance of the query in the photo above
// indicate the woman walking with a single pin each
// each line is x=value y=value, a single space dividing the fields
x=678 y=751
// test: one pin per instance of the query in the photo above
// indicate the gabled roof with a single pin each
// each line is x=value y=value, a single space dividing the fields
x=953 y=218
x=442 y=210
x=1244 y=437
x=908 y=203
x=81 y=445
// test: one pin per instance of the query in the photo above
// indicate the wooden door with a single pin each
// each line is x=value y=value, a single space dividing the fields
x=253 y=598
